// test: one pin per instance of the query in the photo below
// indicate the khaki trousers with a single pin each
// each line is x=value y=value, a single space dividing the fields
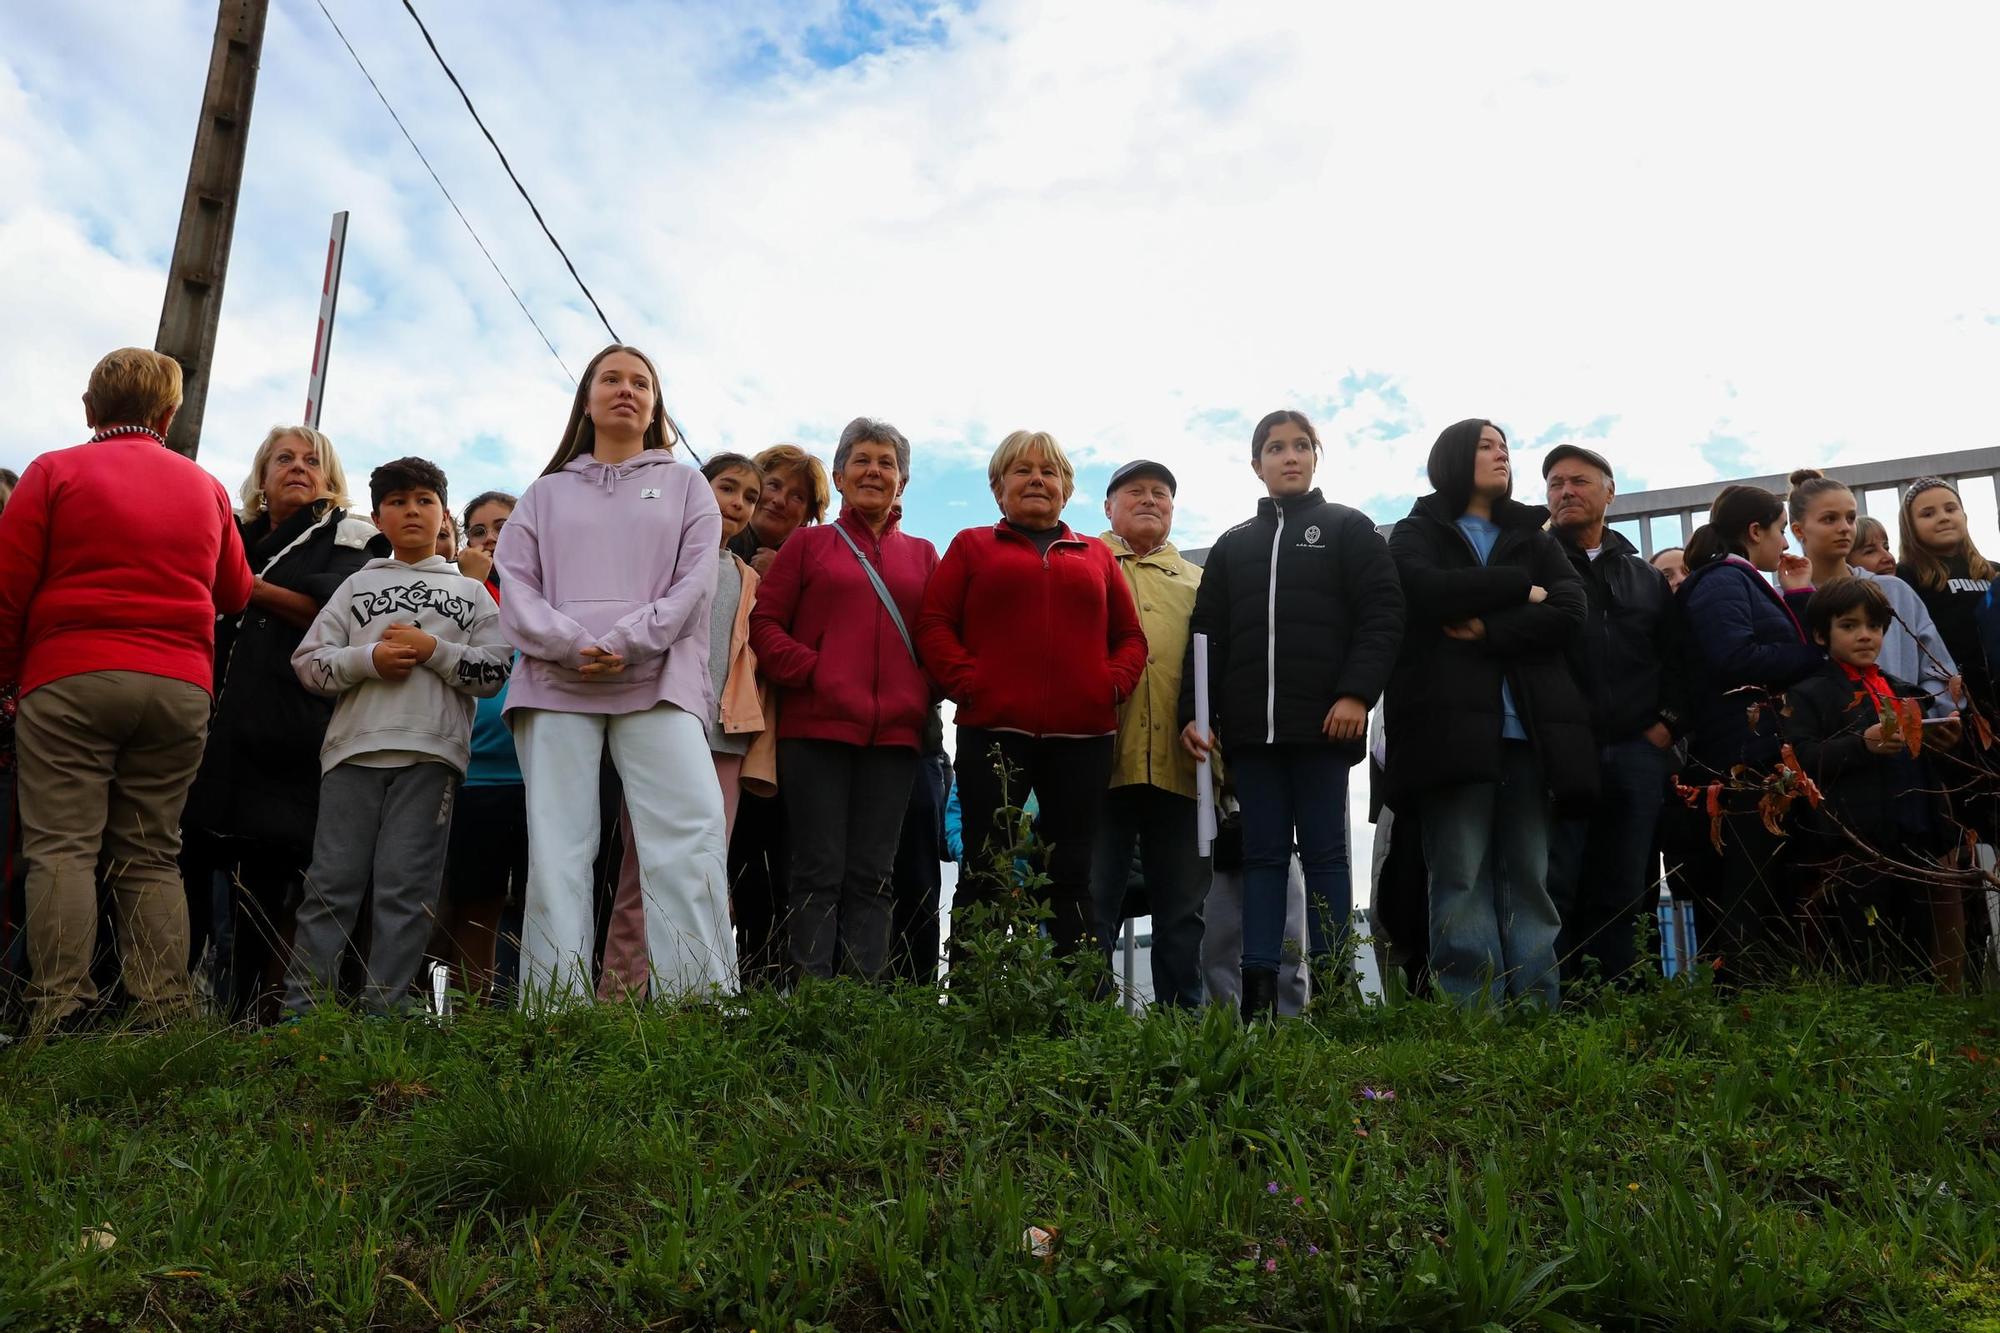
x=106 y=760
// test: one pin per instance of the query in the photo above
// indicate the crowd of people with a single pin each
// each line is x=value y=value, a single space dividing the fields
x=652 y=730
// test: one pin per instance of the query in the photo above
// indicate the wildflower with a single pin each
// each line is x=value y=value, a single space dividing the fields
x=1311 y=1250
x=1634 y=1187
x=1271 y=1188
x=1298 y=1201
x=1270 y=1265
x=1384 y=1095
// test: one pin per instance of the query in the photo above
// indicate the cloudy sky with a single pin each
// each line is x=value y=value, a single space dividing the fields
x=1716 y=240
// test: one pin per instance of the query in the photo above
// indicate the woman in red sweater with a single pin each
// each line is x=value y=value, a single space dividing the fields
x=112 y=645
x=854 y=703
x=1032 y=631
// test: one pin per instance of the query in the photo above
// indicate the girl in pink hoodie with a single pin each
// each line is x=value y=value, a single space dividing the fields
x=609 y=565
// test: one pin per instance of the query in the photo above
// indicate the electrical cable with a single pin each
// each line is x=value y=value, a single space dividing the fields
x=383 y=98
x=679 y=435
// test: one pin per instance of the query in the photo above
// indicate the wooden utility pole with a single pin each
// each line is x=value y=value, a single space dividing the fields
x=208 y=211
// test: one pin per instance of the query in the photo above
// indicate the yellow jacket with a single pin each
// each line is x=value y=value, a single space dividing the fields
x=1149 y=742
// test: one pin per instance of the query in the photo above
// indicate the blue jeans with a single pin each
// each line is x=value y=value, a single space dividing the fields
x=1493 y=927
x=1292 y=792
x=1601 y=865
x=1162 y=826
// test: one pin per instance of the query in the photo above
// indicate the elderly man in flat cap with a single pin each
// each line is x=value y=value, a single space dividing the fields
x=1152 y=803
x=1601 y=861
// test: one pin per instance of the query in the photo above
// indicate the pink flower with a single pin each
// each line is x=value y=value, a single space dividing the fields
x=1270 y=1265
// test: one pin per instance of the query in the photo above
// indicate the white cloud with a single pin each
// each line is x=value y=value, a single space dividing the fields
x=1114 y=220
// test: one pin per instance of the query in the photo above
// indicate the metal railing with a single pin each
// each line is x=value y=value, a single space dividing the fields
x=1663 y=519
x=1666 y=518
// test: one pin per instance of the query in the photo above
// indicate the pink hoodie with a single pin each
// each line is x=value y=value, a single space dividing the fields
x=619 y=557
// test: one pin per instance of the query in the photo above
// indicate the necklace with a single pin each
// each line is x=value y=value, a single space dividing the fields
x=110 y=432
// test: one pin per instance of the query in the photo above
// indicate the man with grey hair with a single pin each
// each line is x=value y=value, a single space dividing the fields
x=1600 y=859
x=1151 y=805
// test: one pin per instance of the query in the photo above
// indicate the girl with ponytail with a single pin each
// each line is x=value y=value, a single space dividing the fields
x=1826 y=521
x=1743 y=638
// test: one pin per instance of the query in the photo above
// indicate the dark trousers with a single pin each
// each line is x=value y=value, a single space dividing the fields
x=1400 y=913
x=1070 y=776
x=759 y=875
x=1746 y=918
x=1293 y=795
x=846 y=806
x=382 y=838
x=254 y=890
x=1601 y=864
x=1160 y=825
x=918 y=878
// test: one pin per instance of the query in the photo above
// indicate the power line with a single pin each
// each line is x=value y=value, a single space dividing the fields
x=674 y=426
x=466 y=98
x=383 y=98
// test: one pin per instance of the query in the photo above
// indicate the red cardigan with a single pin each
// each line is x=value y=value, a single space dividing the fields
x=820 y=632
x=116 y=556
x=1022 y=642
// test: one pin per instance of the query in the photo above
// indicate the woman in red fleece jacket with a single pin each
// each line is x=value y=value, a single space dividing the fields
x=855 y=701
x=1032 y=630
x=112 y=644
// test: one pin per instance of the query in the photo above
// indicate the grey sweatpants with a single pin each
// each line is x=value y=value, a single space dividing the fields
x=391 y=826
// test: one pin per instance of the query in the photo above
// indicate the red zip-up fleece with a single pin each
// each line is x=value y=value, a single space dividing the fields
x=117 y=556
x=1046 y=645
x=821 y=633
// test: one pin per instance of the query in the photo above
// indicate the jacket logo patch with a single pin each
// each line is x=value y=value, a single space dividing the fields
x=650 y=493
x=1312 y=535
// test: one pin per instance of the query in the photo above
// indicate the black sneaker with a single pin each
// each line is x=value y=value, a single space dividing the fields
x=1260 y=993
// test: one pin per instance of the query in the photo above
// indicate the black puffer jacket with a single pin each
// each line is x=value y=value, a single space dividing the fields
x=259 y=776
x=1628 y=657
x=1444 y=713
x=1301 y=607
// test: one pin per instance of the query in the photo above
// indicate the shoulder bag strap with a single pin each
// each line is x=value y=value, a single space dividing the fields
x=881 y=591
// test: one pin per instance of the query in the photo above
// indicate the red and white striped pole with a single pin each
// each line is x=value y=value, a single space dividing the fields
x=329 y=292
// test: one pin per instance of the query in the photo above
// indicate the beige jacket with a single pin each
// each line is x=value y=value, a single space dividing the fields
x=1149 y=740
x=746 y=706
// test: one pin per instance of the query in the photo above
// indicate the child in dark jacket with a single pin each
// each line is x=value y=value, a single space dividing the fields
x=1744 y=644
x=1881 y=805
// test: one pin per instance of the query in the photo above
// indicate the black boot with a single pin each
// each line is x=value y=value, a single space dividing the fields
x=1260 y=993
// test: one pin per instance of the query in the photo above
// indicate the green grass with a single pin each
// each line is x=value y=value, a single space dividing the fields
x=1814 y=1157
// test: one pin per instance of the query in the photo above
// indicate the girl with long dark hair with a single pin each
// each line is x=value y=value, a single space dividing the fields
x=609 y=567
x=1746 y=646
x=1304 y=616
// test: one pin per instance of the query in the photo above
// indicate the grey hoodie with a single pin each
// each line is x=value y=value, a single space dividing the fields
x=431 y=712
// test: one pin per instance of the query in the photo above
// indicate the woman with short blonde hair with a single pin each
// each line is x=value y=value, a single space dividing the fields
x=794 y=496
x=1030 y=443
x=116 y=558
x=332 y=476
x=1032 y=630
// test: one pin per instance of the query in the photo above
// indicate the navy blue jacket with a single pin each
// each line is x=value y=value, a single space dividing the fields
x=1739 y=632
